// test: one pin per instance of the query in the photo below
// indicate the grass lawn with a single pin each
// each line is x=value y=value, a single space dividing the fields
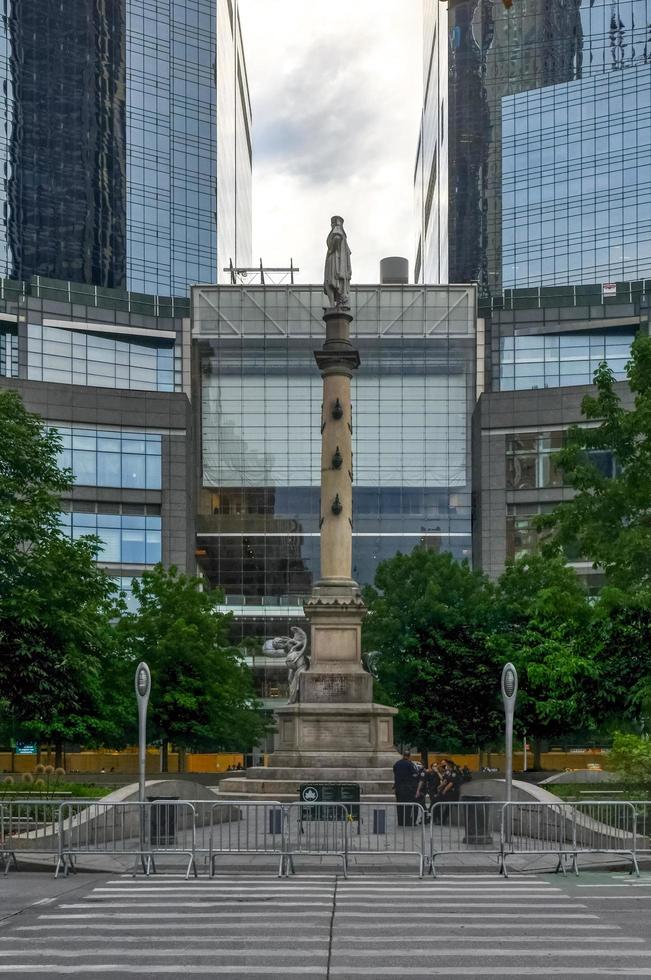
x=587 y=791
x=23 y=791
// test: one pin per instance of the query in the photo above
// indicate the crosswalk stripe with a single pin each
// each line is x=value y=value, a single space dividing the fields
x=175 y=915
x=171 y=951
x=88 y=968
x=251 y=906
x=497 y=950
x=544 y=970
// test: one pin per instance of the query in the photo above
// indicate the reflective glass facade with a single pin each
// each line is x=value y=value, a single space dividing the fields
x=8 y=352
x=234 y=148
x=576 y=181
x=84 y=358
x=569 y=49
x=258 y=523
x=431 y=171
x=111 y=458
x=126 y=539
x=109 y=141
x=558 y=360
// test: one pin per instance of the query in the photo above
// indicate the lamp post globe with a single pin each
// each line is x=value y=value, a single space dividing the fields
x=143 y=680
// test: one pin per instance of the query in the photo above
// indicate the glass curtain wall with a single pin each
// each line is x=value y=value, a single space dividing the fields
x=84 y=358
x=110 y=457
x=560 y=50
x=108 y=146
x=261 y=394
x=559 y=360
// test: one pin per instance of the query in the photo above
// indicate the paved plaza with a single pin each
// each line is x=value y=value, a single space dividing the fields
x=320 y=925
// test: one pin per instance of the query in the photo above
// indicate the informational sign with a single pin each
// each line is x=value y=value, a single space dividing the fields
x=320 y=797
x=609 y=289
x=24 y=748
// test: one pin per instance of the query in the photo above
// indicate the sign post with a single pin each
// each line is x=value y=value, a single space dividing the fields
x=509 y=695
x=143 y=687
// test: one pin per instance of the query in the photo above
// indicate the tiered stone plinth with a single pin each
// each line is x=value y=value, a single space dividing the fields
x=334 y=728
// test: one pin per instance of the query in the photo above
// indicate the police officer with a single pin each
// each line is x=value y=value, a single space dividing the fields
x=406 y=778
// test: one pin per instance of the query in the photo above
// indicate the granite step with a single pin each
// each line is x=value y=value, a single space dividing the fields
x=288 y=789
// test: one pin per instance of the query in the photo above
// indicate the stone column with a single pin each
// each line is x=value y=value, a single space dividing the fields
x=335 y=721
x=335 y=609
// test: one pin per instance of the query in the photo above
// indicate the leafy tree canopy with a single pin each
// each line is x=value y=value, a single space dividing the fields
x=202 y=693
x=55 y=602
x=609 y=519
x=428 y=626
x=546 y=619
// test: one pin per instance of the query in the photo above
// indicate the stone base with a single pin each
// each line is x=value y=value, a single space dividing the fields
x=323 y=687
x=334 y=728
x=350 y=742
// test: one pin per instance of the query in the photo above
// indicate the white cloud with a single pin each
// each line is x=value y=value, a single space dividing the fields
x=336 y=89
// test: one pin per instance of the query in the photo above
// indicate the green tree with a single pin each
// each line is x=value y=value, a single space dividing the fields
x=609 y=519
x=546 y=620
x=428 y=628
x=202 y=694
x=620 y=640
x=55 y=603
x=630 y=758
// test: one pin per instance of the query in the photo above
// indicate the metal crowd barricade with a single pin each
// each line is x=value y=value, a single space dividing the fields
x=315 y=829
x=28 y=826
x=642 y=809
x=466 y=827
x=254 y=828
x=606 y=827
x=569 y=830
x=133 y=829
x=538 y=828
x=388 y=829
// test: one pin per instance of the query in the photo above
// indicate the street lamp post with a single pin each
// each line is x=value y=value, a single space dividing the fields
x=143 y=687
x=509 y=695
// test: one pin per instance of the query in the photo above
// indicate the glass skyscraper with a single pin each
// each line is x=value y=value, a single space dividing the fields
x=535 y=143
x=125 y=142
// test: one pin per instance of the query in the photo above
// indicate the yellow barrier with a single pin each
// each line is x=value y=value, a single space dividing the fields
x=126 y=761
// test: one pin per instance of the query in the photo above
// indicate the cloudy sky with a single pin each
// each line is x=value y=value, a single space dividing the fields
x=336 y=88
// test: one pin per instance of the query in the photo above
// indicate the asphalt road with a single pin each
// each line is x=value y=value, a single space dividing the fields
x=319 y=925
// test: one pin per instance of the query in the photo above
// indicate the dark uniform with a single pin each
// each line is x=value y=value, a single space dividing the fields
x=405 y=780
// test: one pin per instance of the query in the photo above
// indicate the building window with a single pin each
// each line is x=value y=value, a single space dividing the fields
x=125 y=584
x=8 y=352
x=126 y=539
x=530 y=460
x=106 y=361
x=522 y=538
x=530 y=463
x=560 y=360
x=112 y=458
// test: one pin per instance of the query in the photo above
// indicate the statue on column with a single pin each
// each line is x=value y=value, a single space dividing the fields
x=336 y=280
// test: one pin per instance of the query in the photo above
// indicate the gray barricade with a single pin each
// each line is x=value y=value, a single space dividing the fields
x=138 y=830
x=538 y=828
x=569 y=830
x=388 y=829
x=606 y=827
x=28 y=827
x=315 y=829
x=245 y=828
x=466 y=827
x=642 y=809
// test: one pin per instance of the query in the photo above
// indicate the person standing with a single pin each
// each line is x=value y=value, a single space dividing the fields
x=405 y=783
